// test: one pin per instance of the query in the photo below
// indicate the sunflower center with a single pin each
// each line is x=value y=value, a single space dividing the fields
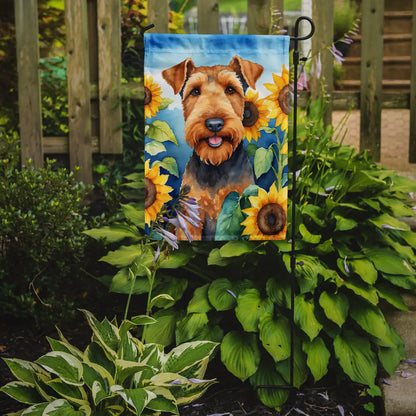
x=147 y=96
x=284 y=99
x=150 y=192
x=271 y=219
x=250 y=115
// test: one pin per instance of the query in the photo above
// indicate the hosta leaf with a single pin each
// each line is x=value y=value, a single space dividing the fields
x=389 y=358
x=35 y=410
x=397 y=208
x=363 y=181
x=136 y=399
x=58 y=345
x=215 y=259
x=387 y=261
x=199 y=302
x=23 y=392
x=73 y=394
x=240 y=354
x=219 y=294
x=61 y=407
x=318 y=357
x=163 y=331
x=389 y=222
x=344 y=224
x=405 y=282
x=365 y=269
x=391 y=295
x=64 y=365
x=172 y=287
x=267 y=375
x=190 y=326
x=187 y=355
x=305 y=316
x=335 y=306
x=317 y=214
x=300 y=368
x=126 y=369
x=356 y=357
x=95 y=353
x=306 y=271
x=164 y=402
x=190 y=391
x=98 y=392
x=106 y=333
x=250 y=308
x=361 y=289
x=134 y=213
x=114 y=233
x=262 y=161
x=236 y=248
x=279 y=291
x=275 y=336
x=307 y=236
x=24 y=370
x=93 y=374
x=125 y=255
x=160 y=131
x=370 y=319
x=178 y=258
x=122 y=283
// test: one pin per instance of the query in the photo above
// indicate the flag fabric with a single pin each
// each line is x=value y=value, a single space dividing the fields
x=216 y=112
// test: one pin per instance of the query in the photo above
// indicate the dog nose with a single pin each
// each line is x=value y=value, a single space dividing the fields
x=214 y=124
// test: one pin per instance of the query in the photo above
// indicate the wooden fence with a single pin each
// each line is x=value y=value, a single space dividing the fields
x=94 y=73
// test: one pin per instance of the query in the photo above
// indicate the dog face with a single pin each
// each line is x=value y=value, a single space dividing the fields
x=213 y=104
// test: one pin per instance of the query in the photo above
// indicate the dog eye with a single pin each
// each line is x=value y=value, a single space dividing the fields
x=195 y=92
x=230 y=90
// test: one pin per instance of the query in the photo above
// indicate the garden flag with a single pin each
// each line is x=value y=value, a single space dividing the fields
x=216 y=109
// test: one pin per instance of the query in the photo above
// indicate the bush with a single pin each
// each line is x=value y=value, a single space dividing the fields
x=41 y=224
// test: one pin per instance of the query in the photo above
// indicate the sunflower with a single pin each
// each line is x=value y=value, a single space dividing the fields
x=157 y=193
x=255 y=115
x=152 y=97
x=267 y=217
x=279 y=99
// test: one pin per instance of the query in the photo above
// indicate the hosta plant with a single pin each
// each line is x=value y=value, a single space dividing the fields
x=115 y=375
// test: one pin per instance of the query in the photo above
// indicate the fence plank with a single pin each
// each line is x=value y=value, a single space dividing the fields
x=259 y=17
x=158 y=14
x=79 y=106
x=109 y=84
x=30 y=108
x=208 y=16
x=371 y=75
x=412 y=143
x=323 y=15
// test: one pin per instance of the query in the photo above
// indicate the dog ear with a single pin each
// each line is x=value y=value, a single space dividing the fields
x=177 y=75
x=250 y=71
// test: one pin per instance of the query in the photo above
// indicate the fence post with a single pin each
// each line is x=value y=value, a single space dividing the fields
x=371 y=75
x=109 y=70
x=277 y=17
x=208 y=16
x=30 y=108
x=323 y=16
x=259 y=17
x=412 y=142
x=79 y=106
x=158 y=14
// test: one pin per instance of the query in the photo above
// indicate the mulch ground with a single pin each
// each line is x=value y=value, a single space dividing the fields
x=229 y=397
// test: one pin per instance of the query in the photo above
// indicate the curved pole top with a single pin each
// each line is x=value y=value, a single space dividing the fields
x=297 y=38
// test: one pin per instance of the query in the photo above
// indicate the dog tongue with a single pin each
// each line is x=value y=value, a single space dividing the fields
x=214 y=140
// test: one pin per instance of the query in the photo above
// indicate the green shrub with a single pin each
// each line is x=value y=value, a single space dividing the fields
x=345 y=14
x=41 y=224
x=115 y=374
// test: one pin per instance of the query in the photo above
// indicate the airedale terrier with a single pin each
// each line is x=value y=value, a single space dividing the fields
x=213 y=106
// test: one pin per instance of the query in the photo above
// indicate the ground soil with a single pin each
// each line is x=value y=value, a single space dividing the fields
x=228 y=397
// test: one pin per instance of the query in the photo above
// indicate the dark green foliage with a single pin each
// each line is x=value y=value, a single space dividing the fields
x=41 y=224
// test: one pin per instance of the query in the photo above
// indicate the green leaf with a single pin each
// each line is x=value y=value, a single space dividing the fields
x=403 y=184
x=317 y=214
x=365 y=269
x=23 y=392
x=219 y=294
x=389 y=222
x=266 y=375
x=199 y=302
x=215 y=259
x=163 y=331
x=318 y=357
x=306 y=271
x=275 y=336
x=230 y=218
x=356 y=357
x=24 y=370
x=387 y=261
x=305 y=316
x=335 y=306
x=307 y=236
x=251 y=149
x=134 y=213
x=361 y=289
x=125 y=369
x=160 y=131
x=114 y=233
x=169 y=163
x=344 y=224
x=169 y=286
x=250 y=308
x=240 y=354
x=61 y=407
x=122 y=283
x=154 y=148
x=279 y=291
x=125 y=255
x=178 y=258
x=164 y=402
x=136 y=399
x=263 y=160
x=397 y=208
x=190 y=326
x=405 y=282
x=75 y=395
x=64 y=365
x=370 y=318
x=389 y=358
x=236 y=248
x=363 y=181
x=35 y=410
x=165 y=103
x=391 y=295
